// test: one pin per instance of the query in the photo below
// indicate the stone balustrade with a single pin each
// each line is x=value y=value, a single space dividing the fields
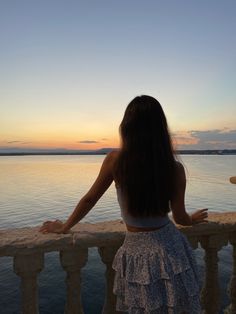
x=28 y=245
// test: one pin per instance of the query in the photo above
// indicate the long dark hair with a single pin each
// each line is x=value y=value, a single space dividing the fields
x=145 y=168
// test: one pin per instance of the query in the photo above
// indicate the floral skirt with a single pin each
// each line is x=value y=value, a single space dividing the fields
x=156 y=273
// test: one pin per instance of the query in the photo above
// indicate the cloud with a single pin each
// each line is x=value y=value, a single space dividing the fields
x=207 y=139
x=12 y=142
x=18 y=142
x=87 y=142
x=215 y=135
x=104 y=139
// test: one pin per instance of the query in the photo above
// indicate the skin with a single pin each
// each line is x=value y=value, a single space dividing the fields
x=103 y=182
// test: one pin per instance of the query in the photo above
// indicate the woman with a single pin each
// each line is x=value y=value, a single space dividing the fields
x=155 y=267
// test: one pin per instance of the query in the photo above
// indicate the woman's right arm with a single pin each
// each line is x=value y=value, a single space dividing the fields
x=178 y=203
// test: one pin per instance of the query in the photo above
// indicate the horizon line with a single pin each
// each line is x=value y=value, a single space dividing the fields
x=103 y=151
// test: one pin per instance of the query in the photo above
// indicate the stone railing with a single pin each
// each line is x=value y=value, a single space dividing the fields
x=28 y=246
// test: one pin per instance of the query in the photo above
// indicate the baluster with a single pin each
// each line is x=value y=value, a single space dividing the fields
x=210 y=295
x=231 y=309
x=72 y=261
x=193 y=242
x=27 y=267
x=107 y=255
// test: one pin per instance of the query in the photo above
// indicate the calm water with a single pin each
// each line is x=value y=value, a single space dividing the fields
x=38 y=188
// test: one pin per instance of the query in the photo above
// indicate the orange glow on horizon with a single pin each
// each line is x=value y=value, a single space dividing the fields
x=86 y=144
x=179 y=139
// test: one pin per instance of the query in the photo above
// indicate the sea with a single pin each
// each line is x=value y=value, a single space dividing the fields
x=34 y=189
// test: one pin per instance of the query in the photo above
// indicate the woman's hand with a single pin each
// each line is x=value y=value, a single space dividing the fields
x=199 y=216
x=52 y=227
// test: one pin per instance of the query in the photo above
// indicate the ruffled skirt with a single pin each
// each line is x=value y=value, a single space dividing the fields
x=156 y=273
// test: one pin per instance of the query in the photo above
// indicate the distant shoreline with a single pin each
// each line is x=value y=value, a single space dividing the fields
x=105 y=151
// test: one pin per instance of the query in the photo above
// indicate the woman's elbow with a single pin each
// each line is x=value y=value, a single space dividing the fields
x=184 y=221
x=89 y=200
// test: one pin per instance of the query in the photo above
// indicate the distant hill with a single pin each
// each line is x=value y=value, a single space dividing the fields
x=103 y=151
x=208 y=152
x=32 y=151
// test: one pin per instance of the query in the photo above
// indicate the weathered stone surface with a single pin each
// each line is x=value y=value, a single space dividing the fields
x=105 y=233
x=29 y=240
x=217 y=223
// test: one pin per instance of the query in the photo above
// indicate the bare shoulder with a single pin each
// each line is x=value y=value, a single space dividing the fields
x=113 y=155
x=110 y=159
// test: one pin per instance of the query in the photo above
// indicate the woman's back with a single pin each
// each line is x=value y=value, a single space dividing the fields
x=139 y=222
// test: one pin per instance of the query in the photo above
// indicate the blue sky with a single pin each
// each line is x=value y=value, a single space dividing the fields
x=69 y=68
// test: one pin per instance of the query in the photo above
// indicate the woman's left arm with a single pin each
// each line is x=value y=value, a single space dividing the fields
x=87 y=202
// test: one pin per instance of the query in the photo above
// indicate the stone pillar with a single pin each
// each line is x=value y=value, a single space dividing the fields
x=231 y=309
x=210 y=295
x=27 y=267
x=107 y=255
x=72 y=261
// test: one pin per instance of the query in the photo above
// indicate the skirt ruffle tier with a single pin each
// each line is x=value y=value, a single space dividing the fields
x=156 y=273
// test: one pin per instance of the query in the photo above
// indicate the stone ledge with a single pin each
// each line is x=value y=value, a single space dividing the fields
x=107 y=233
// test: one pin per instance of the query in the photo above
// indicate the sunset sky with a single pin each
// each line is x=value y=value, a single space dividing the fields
x=68 y=69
